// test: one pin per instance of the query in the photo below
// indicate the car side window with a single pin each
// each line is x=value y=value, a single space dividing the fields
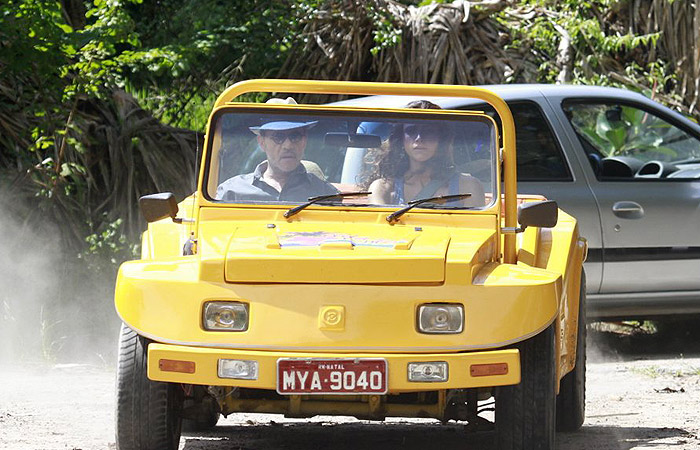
x=540 y=157
x=624 y=141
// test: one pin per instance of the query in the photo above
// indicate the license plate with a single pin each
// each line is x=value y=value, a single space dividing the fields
x=331 y=376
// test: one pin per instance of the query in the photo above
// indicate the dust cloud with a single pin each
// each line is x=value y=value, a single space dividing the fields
x=52 y=308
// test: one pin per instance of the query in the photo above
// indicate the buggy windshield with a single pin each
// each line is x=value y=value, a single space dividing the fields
x=269 y=155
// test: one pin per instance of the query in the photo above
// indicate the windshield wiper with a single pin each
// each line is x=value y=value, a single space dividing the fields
x=290 y=212
x=394 y=217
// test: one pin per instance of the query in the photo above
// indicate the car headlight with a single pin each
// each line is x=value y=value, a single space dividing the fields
x=440 y=318
x=225 y=316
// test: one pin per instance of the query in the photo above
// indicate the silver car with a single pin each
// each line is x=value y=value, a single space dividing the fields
x=627 y=168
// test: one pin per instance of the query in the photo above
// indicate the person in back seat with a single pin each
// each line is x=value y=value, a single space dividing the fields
x=416 y=162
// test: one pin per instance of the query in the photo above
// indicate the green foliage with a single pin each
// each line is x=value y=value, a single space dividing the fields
x=95 y=66
x=624 y=131
x=33 y=37
x=627 y=135
x=108 y=247
x=191 y=50
x=51 y=68
x=41 y=43
x=385 y=32
x=598 y=40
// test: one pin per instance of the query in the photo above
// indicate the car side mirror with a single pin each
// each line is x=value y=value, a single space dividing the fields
x=158 y=206
x=538 y=214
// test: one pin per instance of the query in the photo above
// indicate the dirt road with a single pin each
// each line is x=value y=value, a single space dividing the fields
x=636 y=400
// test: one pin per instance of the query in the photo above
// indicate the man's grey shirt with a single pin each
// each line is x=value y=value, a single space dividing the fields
x=250 y=187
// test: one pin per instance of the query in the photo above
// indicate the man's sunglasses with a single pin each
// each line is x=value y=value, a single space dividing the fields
x=293 y=136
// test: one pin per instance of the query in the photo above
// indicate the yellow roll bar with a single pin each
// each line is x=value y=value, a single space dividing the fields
x=436 y=90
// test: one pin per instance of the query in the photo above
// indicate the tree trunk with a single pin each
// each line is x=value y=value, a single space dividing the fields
x=74 y=13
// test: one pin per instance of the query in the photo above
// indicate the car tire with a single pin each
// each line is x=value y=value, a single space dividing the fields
x=525 y=412
x=571 y=401
x=148 y=412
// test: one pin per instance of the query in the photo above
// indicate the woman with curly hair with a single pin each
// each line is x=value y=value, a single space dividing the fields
x=416 y=162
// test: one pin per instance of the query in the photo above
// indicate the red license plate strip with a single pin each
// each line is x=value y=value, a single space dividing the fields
x=331 y=376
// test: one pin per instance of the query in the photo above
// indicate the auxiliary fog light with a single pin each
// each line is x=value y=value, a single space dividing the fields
x=440 y=318
x=428 y=371
x=225 y=316
x=238 y=368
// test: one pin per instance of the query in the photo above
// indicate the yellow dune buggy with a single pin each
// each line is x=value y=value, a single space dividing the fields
x=353 y=261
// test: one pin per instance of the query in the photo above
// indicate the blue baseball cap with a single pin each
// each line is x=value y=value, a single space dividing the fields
x=282 y=126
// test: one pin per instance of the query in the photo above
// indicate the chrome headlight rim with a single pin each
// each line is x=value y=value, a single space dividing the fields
x=231 y=306
x=442 y=374
x=225 y=372
x=454 y=307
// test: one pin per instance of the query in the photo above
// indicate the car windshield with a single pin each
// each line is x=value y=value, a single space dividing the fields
x=273 y=156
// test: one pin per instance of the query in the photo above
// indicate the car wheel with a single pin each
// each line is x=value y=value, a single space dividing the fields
x=525 y=412
x=571 y=401
x=148 y=412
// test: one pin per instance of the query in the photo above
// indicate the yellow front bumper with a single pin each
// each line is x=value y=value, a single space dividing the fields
x=206 y=361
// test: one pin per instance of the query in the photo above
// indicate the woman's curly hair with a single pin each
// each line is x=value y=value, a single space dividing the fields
x=390 y=161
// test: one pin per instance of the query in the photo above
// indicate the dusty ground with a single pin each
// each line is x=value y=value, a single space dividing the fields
x=643 y=392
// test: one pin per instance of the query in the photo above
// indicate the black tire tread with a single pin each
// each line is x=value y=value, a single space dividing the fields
x=146 y=411
x=525 y=412
x=571 y=401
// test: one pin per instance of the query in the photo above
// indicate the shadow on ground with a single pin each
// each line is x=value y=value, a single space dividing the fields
x=659 y=339
x=405 y=436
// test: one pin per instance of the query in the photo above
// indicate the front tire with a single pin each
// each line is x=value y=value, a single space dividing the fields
x=148 y=412
x=571 y=401
x=525 y=412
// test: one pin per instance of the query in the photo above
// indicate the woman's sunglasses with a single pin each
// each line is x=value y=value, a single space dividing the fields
x=424 y=131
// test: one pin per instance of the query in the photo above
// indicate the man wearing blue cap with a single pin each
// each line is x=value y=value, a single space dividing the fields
x=282 y=176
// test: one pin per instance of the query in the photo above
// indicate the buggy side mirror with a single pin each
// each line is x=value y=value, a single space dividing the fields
x=538 y=214
x=158 y=206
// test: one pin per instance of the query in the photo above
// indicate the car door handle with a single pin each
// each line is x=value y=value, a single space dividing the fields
x=628 y=210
